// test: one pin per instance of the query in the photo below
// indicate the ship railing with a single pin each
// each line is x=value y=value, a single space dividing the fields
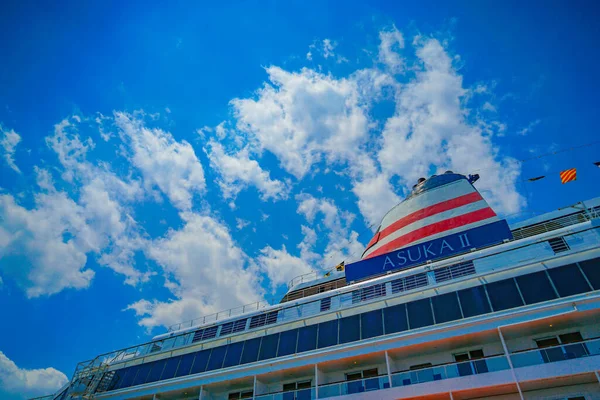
x=207 y=319
x=309 y=277
x=354 y=386
x=299 y=394
x=557 y=223
x=48 y=397
x=563 y=352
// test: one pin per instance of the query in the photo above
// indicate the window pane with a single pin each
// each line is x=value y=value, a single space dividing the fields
x=200 y=362
x=170 y=368
x=473 y=301
x=156 y=371
x=142 y=374
x=419 y=314
x=268 y=347
x=129 y=377
x=287 y=342
x=350 y=329
x=185 y=365
x=307 y=338
x=536 y=287
x=568 y=280
x=371 y=324
x=216 y=358
x=250 y=353
x=117 y=378
x=394 y=319
x=234 y=353
x=504 y=294
x=445 y=307
x=572 y=337
x=591 y=268
x=328 y=333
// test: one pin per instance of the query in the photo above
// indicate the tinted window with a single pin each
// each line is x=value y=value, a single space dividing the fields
x=473 y=301
x=536 y=287
x=129 y=377
x=170 y=368
x=234 y=353
x=200 y=362
x=328 y=333
x=394 y=319
x=287 y=342
x=591 y=268
x=250 y=353
x=117 y=378
x=307 y=338
x=350 y=329
x=216 y=358
x=446 y=308
x=504 y=294
x=419 y=313
x=142 y=374
x=371 y=324
x=268 y=347
x=156 y=371
x=185 y=365
x=568 y=280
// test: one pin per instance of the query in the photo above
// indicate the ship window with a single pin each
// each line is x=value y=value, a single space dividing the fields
x=258 y=320
x=368 y=293
x=250 y=353
x=395 y=319
x=197 y=335
x=504 y=294
x=419 y=313
x=216 y=358
x=287 y=342
x=156 y=371
x=591 y=268
x=536 y=287
x=559 y=244
x=142 y=374
x=568 y=280
x=473 y=301
x=118 y=378
x=268 y=347
x=210 y=332
x=350 y=329
x=307 y=338
x=454 y=271
x=371 y=324
x=200 y=362
x=325 y=304
x=170 y=368
x=186 y=364
x=446 y=308
x=328 y=334
x=226 y=329
x=241 y=395
x=129 y=377
x=234 y=353
x=409 y=283
x=239 y=325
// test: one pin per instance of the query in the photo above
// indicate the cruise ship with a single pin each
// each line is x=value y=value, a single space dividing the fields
x=448 y=301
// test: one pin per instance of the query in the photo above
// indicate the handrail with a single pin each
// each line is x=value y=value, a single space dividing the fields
x=295 y=281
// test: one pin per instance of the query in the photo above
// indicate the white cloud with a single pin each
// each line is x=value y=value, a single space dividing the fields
x=165 y=163
x=29 y=382
x=328 y=47
x=9 y=139
x=205 y=271
x=309 y=56
x=241 y=223
x=487 y=106
x=237 y=171
x=280 y=266
x=529 y=127
x=391 y=41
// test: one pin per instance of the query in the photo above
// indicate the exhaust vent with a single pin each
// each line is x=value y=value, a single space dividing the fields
x=559 y=244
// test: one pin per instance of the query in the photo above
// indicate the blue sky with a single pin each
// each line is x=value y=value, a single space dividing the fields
x=161 y=162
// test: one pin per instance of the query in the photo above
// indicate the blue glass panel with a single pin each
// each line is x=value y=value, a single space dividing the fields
x=129 y=377
x=117 y=378
x=394 y=319
x=568 y=280
x=156 y=371
x=307 y=338
x=268 y=347
x=371 y=324
x=200 y=362
x=142 y=374
x=185 y=365
x=504 y=294
x=287 y=343
x=250 y=353
x=350 y=329
x=474 y=301
x=536 y=287
x=591 y=268
x=170 y=368
x=328 y=333
x=234 y=353
x=216 y=358
x=446 y=308
x=419 y=313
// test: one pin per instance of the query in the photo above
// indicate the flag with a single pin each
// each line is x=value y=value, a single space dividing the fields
x=537 y=178
x=327 y=274
x=568 y=175
x=340 y=266
x=597 y=164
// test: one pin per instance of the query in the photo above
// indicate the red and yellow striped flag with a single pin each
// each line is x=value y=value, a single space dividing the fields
x=568 y=175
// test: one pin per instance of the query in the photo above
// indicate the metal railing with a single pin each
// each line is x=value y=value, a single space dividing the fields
x=300 y=394
x=562 y=352
x=558 y=223
x=48 y=397
x=356 y=386
x=311 y=276
x=207 y=319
